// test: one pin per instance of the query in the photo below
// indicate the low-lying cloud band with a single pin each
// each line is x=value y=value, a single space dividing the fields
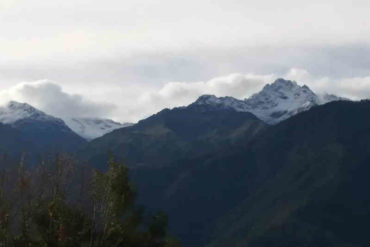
x=133 y=104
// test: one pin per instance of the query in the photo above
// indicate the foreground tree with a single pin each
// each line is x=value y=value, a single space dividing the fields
x=62 y=204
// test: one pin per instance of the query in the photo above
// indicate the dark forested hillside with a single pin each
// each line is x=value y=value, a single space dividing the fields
x=294 y=184
x=312 y=176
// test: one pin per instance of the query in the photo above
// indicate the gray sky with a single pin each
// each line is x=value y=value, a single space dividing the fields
x=128 y=59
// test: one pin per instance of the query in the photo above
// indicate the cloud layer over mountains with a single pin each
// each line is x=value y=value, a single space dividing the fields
x=135 y=103
x=129 y=59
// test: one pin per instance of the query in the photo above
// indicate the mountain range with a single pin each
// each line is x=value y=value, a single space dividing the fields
x=276 y=102
x=204 y=125
x=285 y=167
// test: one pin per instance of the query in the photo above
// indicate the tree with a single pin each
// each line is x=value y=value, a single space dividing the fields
x=59 y=204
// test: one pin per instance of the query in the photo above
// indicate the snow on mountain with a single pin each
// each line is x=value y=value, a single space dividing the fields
x=15 y=111
x=274 y=103
x=91 y=128
x=39 y=133
x=281 y=100
x=88 y=128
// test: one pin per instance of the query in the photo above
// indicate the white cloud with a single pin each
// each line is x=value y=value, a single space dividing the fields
x=355 y=88
x=182 y=93
x=82 y=29
x=51 y=98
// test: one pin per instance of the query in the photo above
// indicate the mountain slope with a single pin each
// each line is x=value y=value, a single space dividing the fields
x=276 y=102
x=174 y=134
x=302 y=182
x=155 y=148
x=12 y=141
x=46 y=133
x=310 y=182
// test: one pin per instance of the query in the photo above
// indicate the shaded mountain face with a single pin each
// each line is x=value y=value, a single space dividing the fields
x=310 y=182
x=276 y=102
x=91 y=128
x=174 y=134
x=42 y=132
x=300 y=183
x=12 y=141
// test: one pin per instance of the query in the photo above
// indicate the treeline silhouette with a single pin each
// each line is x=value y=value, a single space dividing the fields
x=62 y=203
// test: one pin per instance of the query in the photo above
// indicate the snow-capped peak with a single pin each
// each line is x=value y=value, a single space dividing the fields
x=281 y=100
x=88 y=128
x=15 y=111
x=281 y=83
x=274 y=103
x=220 y=102
x=91 y=128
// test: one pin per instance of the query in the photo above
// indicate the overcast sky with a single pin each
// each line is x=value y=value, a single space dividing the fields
x=128 y=59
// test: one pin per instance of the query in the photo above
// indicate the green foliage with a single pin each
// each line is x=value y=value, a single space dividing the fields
x=60 y=224
x=60 y=204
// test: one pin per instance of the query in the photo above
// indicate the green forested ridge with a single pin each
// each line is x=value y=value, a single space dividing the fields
x=172 y=135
